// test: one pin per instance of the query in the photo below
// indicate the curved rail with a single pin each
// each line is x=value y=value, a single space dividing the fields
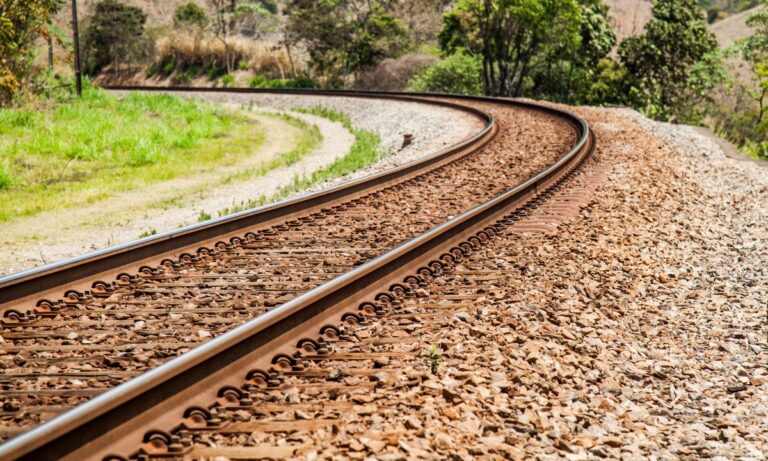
x=106 y=425
x=33 y=284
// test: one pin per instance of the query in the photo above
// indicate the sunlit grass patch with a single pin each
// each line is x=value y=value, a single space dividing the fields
x=76 y=152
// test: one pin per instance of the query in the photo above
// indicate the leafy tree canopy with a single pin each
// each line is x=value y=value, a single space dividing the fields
x=21 y=23
x=115 y=34
x=564 y=71
x=661 y=59
x=190 y=15
x=458 y=73
x=508 y=34
x=345 y=36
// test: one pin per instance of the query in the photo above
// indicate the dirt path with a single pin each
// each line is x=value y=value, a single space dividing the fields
x=56 y=235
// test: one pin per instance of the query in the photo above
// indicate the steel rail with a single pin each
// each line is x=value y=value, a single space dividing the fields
x=112 y=423
x=17 y=290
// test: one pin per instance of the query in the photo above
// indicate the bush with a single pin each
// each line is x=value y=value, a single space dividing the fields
x=260 y=81
x=228 y=80
x=458 y=73
x=190 y=15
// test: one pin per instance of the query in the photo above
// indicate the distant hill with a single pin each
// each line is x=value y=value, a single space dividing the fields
x=628 y=17
x=733 y=28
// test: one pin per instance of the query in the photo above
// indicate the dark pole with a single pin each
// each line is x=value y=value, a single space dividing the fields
x=50 y=52
x=78 y=74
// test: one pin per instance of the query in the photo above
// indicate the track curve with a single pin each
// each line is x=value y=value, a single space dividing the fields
x=556 y=167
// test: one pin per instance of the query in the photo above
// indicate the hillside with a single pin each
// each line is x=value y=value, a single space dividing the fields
x=733 y=28
x=628 y=17
x=159 y=12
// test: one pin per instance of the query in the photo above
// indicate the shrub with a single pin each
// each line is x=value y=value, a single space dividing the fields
x=260 y=81
x=228 y=80
x=269 y=5
x=190 y=15
x=458 y=73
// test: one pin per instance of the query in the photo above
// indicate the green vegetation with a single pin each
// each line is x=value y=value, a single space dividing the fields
x=190 y=15
x=114 y=36
x=72 y=152
x=22 y=22
x=261 y=81
x=229 y=17
x=676 y=40
x=748 y=124
x=203 y=216
x=458 y=73
x=344 y=37
x=508 y=35
x=364 y=152
x=563 y=51
x=148 y=233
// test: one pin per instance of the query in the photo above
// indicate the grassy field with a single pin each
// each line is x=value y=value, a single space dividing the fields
x=75 y=152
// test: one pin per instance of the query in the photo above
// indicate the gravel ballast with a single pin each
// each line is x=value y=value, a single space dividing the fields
x=636 y=331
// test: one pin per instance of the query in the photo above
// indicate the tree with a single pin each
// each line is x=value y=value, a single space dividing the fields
x=751 y=125
x=661 y=59
x=115 y=35
x=508 y=34
x=231 y=17
x=564 y=70
x=21 y=23
x=190 y=15
x=344 y=36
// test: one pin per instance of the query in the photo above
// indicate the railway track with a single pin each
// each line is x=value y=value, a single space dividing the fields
x=262 y=283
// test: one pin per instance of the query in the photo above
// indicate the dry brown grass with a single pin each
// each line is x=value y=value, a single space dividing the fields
x=190 y=55
x=182 y=51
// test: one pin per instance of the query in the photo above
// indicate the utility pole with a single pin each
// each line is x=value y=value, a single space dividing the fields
x=50 y=52
x=78 y=73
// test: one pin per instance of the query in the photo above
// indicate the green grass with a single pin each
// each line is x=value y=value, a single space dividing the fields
x=75 y=152
x=364 y=152
x=149 y=232
x=204 y=216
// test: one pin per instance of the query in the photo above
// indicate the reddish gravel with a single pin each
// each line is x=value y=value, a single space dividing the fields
x=50 y=364
x=637 y=331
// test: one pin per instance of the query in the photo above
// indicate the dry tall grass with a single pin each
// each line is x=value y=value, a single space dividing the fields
x=193 y=55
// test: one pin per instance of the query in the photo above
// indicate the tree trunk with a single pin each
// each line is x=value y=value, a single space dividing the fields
x=290 y=59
